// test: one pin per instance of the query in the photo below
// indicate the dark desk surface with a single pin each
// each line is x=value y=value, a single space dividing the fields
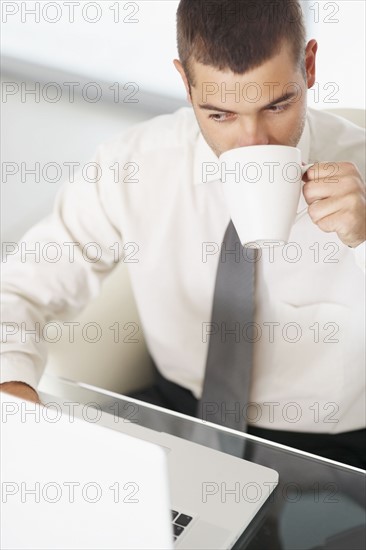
x=318 y=503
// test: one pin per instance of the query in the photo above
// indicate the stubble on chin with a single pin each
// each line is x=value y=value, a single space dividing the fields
x=300 y=130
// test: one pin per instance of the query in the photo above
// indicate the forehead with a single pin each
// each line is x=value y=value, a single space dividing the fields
x=267 y=80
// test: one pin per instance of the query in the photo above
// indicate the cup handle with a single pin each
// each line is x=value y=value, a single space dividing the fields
x=302 y=213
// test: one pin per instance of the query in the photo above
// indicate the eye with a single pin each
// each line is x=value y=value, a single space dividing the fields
x=277 y=109
x=220 y=117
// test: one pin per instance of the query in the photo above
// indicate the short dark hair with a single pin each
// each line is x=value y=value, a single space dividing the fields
x=238 y=35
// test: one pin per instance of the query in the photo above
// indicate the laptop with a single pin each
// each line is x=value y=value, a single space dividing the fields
x=68 y=483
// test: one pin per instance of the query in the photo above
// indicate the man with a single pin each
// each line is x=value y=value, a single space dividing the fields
x=246 y=76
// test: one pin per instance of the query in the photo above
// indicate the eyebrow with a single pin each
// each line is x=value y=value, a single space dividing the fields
x=285 y=97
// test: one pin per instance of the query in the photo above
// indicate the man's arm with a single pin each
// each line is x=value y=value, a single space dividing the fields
x=335 y=185
x=36 y=288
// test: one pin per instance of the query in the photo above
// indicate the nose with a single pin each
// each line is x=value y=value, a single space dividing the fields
x=251 y=132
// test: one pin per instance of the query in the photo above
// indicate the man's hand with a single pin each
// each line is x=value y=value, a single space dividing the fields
x=21 y=390
x=336 y=197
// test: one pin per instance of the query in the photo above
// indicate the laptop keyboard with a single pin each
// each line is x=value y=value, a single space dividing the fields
x=180 y=522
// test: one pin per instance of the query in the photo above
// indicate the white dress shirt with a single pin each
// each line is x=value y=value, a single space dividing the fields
x=308 y=372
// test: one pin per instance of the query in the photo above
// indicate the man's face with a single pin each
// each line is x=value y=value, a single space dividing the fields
x=266 y=105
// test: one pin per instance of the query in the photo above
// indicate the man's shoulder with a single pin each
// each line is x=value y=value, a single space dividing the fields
x=346 y=119
x=158 y=134
x=334 y=138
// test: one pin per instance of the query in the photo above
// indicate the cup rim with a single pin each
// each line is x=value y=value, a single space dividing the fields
x=248 y=147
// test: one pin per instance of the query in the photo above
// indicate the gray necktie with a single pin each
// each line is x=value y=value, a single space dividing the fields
x=230 y=352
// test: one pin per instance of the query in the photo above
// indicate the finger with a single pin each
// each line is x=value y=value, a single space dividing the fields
x=320 y=209
x=331 y=223
x=341 y=223
x=314 y=191
x=328 y=171
x=348 y=188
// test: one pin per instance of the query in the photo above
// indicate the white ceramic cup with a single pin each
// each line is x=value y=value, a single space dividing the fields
x=262 y=186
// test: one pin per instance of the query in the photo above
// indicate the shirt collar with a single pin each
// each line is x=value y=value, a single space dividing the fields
x=206 y=163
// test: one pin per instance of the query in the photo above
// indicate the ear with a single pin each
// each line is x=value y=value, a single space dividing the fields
x=310 y=57
x=179 y=67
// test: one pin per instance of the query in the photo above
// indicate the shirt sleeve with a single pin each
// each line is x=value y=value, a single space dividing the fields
x=58 y=266
x=360 y=255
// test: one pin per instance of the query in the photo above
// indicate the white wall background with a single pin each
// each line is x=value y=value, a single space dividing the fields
x=339 y=28
x=135 y=41
x=42 y=132
x=128 y=40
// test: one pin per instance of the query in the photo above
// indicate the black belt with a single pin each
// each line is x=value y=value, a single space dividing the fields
x=177 y=397
x=348 y=447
